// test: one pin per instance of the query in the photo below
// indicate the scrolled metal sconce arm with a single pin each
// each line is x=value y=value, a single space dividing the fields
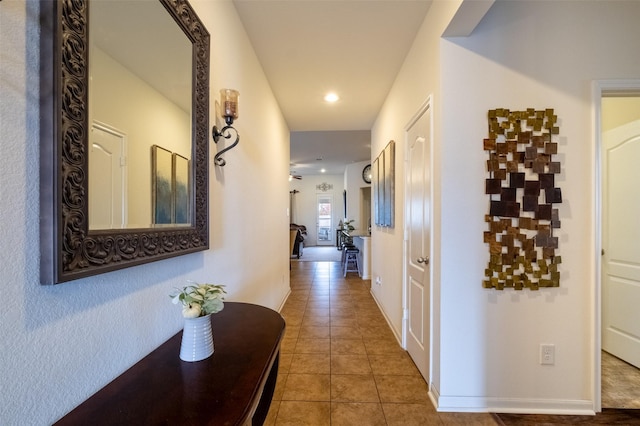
x=229 y=106
x=225 y=133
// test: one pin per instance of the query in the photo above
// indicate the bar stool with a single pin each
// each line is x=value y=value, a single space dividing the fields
x=351 y=260
x=344 y=247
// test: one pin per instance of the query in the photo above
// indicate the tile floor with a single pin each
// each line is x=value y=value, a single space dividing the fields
x=340 y=363
x=620 y=383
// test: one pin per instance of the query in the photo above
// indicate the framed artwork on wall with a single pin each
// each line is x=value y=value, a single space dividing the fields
x=384 y=186
x=523 y=192
x=181 y=185
x=161 y=185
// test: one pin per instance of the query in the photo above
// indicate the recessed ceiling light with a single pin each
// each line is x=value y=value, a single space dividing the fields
x=322 y=170
x=331 y=97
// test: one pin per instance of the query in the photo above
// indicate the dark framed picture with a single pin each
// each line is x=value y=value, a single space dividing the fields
x=181 y=190
x=383 y=179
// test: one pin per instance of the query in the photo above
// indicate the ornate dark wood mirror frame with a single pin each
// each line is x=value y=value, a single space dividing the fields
x=69 y=250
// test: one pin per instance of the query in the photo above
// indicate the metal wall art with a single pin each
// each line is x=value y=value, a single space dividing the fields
x=522 y=192
x=324 y=187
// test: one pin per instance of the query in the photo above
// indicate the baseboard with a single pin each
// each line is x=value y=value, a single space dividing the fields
x=510 y=405
x=284 y=300
x=386 y=318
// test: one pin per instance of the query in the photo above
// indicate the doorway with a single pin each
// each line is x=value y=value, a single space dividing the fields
x=107 y=177
x=324 y=219
x=618 y=265
x=417 y=282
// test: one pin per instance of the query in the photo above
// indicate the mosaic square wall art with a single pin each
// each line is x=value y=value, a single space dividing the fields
x=523 y=194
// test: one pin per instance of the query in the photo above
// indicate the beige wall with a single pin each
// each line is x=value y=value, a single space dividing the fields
x=305 y=203
x=121 y=100
x=485 y=343
x=62 y=343
x=418 y=80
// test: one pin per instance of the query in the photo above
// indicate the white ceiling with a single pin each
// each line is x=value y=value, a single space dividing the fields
x=354 y=48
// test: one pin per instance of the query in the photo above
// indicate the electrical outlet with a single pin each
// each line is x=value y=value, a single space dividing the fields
x=547 y=354
x=378 y=280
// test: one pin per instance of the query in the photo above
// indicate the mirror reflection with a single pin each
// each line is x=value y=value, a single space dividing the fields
x=140 y=117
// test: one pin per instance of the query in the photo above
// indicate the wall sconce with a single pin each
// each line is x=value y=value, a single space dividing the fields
x=229 y=104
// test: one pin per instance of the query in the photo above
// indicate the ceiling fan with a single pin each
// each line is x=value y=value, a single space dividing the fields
x=293 y=175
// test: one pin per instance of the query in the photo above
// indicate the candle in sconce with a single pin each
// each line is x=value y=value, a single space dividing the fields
x=229 y=103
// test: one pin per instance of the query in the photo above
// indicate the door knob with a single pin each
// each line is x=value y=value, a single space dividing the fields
x=424 y=260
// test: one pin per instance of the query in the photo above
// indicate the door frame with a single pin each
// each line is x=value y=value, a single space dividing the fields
x=124 y=172
x=425 y=108
x=601 y=88
x=330 y=241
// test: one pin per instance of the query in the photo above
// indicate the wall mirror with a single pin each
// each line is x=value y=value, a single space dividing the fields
x=124 y=135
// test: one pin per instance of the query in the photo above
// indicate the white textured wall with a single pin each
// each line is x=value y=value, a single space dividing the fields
x=523 y=54
x=417 y=80
x=62 y=343
x=540 y=55
x=123 y=101
x=305 y=204
x=353 y=185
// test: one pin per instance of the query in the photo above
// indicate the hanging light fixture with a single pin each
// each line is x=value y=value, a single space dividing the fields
x=229 y=105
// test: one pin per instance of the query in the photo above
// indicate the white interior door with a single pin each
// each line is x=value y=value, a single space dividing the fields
x=107 y=178
x=324 y=220
x=621 y=243
x=417 y=289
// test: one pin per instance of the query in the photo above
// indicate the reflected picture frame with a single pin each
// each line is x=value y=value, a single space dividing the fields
x=161 y=186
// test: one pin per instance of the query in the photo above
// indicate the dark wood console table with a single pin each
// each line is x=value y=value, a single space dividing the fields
x=232 y=387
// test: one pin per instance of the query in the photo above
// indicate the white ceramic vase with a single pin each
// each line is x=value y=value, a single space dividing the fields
x=197 y=339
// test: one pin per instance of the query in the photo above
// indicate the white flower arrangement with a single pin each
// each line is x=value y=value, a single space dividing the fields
x=199 y=300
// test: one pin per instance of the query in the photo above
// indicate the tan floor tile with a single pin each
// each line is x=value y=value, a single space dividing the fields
x=411 y=415
x=356 y=413
x=376 y=332
x=392 y=364
x=314 y=303
x=307 y=387
x=316 y=312
x=303 y=413
x=293 y=308
x=298 y=296
x=382 y=346
x=404 y=389
x=281 y=380
x=293 y=319
x=371 y=311
x=350 y=364
x=341 y=312
x=272 y=414
x=310 y=364
x=292 y=331
x=353 y=388
x=319 y=296
x=346 y=332
x=315 y=321
x=347 y=347
x=343 y=302
x=313 y=332
x=364 y=321
x=362 y=300
x=344 y=322
x=288 y=345
x=284 y=363
x=313 y=346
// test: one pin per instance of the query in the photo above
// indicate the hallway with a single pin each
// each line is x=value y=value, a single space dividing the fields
x=341 y=364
